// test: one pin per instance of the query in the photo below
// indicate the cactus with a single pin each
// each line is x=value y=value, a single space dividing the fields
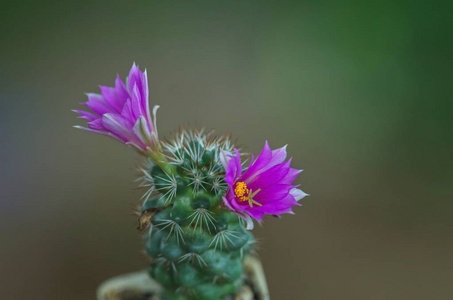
x=199 y=203
x=196 y=245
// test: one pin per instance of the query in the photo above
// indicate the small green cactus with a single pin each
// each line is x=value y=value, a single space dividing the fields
x=200 y=202
x=196 y=245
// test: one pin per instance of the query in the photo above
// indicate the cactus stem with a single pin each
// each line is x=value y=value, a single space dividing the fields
x=188 y=256
x=201 y=216
x=223 y=236
x=174 y=228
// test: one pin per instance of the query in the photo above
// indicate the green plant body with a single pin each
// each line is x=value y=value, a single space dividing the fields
x=196 y=245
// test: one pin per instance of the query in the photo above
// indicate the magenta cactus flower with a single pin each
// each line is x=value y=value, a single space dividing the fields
x=122 y=112
x=264 y=188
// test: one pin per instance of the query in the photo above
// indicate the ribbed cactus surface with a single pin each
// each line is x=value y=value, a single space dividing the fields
x=196 y=245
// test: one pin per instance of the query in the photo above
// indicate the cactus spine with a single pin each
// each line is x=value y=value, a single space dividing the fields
x=196 y=245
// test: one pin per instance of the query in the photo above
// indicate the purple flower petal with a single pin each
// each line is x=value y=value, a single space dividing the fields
x=142 y=131
x=97 y=104
x=86 y=115
x=279 y=155
x=99 y=132
x=291 y=176
x=273 y=193
x=244 y=216
x=271 y=176
x=97 y=125
x=110 y=97
x=118 y=125
x=136 y=103
x=225 y=157
x=256 y=214
x=261 y=162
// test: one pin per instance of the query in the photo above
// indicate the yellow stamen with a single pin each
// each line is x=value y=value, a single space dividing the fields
x=243 y=193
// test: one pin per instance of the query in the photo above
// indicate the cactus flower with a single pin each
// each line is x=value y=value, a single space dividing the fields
x=264 y=188
x=122 y=112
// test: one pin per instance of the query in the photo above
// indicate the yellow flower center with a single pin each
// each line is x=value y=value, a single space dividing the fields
x=240 y=190
x=243 y=193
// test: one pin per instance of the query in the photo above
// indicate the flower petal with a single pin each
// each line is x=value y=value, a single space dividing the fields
x=136 y=105
x=243 y=215
x=97 y=104
x=257 y=166
x=86 y=115
x=230 y=175
x=99 y=132
x=142 y=131
x=97 y=125
x=291 y=176
x=225 y=157
x=119 y=126
x=140 y=79
x=109 y=95
x=256 y=214
x=279 y=155
x=297 y=194
x=126 y=112
x=270 y=176
x=273 y=193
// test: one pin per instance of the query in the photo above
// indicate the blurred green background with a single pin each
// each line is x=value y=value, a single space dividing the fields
x=361 y=92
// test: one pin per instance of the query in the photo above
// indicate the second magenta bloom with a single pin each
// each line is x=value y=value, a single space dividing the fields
x=264 y=188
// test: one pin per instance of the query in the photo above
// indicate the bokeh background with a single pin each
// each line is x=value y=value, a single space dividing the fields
x=360 y=90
